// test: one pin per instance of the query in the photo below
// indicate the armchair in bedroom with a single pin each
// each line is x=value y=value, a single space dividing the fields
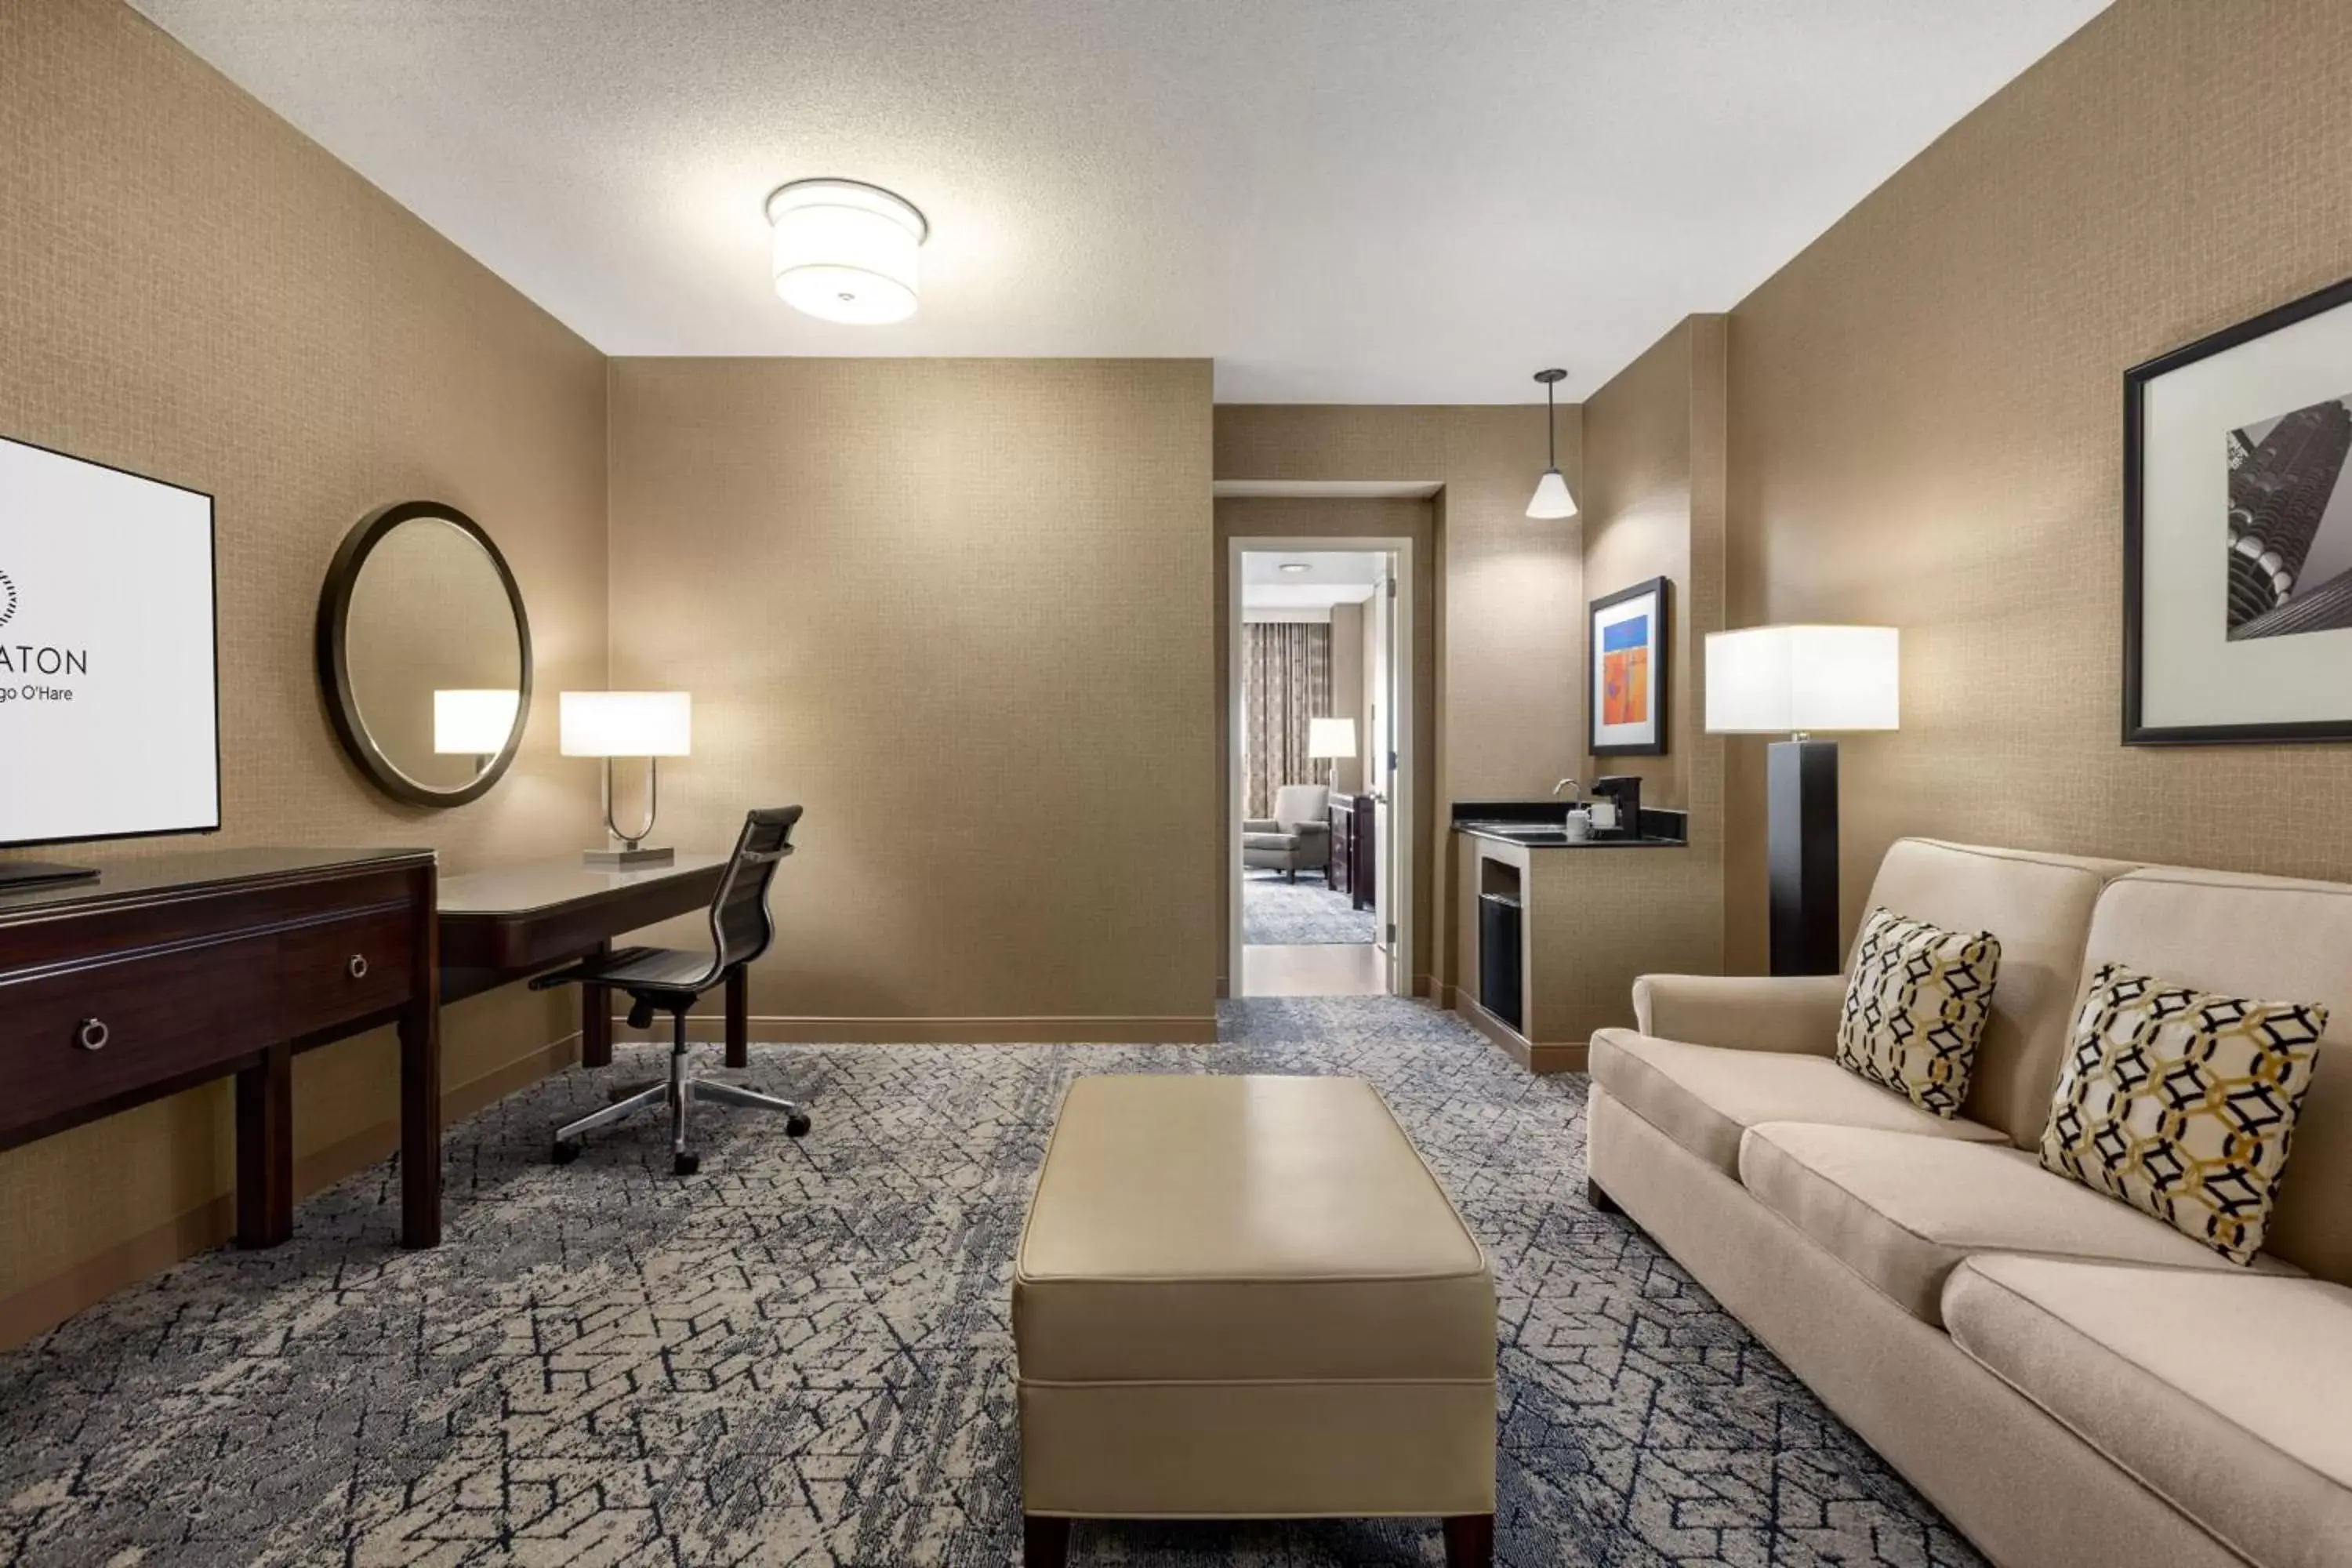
x=1296 y=837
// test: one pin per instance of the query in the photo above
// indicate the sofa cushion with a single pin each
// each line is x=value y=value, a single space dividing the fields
x=1904 y=1211
x=2040 y=907
x=1705 y=1096
x=1270 y=840
x=1914 y=1008
x=2259 y=936
x=2182 y=1103
x=2223 y=1393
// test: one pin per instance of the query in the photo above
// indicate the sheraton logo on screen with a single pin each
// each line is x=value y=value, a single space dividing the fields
x=33 y=659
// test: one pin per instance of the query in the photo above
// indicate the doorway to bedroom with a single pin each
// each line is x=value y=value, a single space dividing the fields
x=1316 y=743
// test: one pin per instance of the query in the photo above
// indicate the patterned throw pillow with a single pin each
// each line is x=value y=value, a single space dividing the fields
x=2181 y=1103
x=1915 y=1006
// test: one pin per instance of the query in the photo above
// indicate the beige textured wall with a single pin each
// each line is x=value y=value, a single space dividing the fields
x=1926 y=432
x=1271 y=517
x=189 y=289
x=1348 y=689
x=1654 y=447
x=1509 y=632
x=961 y=610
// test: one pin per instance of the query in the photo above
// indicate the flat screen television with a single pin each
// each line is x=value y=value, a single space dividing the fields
x=109 y=697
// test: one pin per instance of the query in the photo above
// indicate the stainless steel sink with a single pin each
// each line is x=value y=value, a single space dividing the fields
x=1525 y=832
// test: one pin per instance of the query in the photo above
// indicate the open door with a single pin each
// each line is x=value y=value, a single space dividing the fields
x=1382 y=777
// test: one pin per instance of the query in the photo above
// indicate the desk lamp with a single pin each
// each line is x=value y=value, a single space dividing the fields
x=473 y=723
x=609 y=724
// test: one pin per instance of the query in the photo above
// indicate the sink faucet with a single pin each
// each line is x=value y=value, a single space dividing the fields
x=1575 y=791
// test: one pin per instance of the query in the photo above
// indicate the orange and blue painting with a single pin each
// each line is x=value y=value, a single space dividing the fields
x=1626 y=671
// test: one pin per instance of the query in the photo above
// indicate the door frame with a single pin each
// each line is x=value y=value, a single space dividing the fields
x=1402 y=805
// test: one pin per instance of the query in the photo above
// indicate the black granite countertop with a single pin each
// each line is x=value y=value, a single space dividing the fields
x=1537 y=824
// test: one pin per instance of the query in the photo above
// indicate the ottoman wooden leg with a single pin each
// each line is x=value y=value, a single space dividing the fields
x=1600 y=1200
x=1470 y=1541
x=1045 y=1542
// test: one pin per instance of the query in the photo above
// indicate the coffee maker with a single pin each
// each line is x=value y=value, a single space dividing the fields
x=1623 y=796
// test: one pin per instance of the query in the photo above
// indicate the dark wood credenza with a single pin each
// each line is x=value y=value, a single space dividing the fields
x=1352 y=861
x=165 y=973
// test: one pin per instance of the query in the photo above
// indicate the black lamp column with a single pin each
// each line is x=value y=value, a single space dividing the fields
x=1802 y=837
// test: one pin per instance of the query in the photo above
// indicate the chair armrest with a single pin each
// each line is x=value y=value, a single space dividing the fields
x=1744 y=1012
x=1311 y=829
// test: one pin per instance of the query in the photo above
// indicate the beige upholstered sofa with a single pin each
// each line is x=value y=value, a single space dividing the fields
x=2074 y=1383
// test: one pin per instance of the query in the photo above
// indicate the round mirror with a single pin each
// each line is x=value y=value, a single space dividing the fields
x=424 y=654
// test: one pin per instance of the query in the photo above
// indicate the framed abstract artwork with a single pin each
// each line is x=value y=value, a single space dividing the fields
x=2238 y=532
x=1628 y=637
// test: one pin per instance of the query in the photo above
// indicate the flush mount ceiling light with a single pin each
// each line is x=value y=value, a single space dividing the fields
x=1551 y=499
x=846 y=251
x=1293 y=566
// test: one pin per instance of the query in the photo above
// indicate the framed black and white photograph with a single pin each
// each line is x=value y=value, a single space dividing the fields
x=2238 y=532
x=1628 y=641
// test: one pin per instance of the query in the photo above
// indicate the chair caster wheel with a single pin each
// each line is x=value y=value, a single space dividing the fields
x=686 y=1164
x=566 y=1152
x=796 y=1125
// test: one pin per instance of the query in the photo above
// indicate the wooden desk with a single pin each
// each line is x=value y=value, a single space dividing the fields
x=501 y=925
x=165 y=973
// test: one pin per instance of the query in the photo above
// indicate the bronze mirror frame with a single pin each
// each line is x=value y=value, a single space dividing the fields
x=334 y=662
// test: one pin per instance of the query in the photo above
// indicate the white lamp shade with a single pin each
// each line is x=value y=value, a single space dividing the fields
x=1552 y=497
x=846 y=252
x=473 y=723
x=626 y=724
x=1330 y=737
x=1783 y=679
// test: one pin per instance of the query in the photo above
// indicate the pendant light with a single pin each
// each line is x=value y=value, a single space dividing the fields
x=845 y=250
x=1551 y=499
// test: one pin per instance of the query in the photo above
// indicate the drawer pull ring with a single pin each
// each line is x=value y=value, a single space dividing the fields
x=358 y=966
x=91 y=1035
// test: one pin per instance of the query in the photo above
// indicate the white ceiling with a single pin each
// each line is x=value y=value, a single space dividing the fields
x=1332 y=577
x=1344 y=201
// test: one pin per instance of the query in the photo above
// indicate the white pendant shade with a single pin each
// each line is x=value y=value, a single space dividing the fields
x=626 y=724
x=1785 y=679
x=846 y=251
x=1552 y=497
x=473 y=723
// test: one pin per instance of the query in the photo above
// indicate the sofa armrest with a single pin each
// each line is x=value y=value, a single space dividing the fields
x=1745 y=1012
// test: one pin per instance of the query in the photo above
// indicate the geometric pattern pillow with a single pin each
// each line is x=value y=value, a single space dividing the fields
x=2182 y=1103
x=1916 y=1008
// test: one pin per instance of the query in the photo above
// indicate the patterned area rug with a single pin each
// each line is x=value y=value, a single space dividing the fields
x=802 y=1356
x=1303 y=912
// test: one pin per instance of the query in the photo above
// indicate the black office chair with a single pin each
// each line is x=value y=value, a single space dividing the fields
x=667 y=980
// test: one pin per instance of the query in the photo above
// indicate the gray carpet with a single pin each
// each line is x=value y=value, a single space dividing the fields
x=801 y=1355
x=1305 y=912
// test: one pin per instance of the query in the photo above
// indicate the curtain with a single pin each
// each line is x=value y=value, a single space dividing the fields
x=1285 y=682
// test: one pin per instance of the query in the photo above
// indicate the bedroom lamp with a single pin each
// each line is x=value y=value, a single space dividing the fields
x=473 y=723
x=1795 y=680
x=1329 y=740
x=609 y=724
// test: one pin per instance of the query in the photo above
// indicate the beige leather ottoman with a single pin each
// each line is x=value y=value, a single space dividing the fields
x=1247 y=1298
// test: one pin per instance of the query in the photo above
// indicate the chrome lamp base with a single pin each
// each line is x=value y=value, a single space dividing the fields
x=626 y=859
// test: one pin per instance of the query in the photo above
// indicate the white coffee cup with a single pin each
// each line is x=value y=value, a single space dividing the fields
x=1580 y=824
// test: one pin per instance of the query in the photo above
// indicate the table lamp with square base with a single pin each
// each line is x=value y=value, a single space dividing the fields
x=609 y=724
x=1792 y=681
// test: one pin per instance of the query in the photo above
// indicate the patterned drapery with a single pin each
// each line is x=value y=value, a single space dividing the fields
x=1285 y=682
